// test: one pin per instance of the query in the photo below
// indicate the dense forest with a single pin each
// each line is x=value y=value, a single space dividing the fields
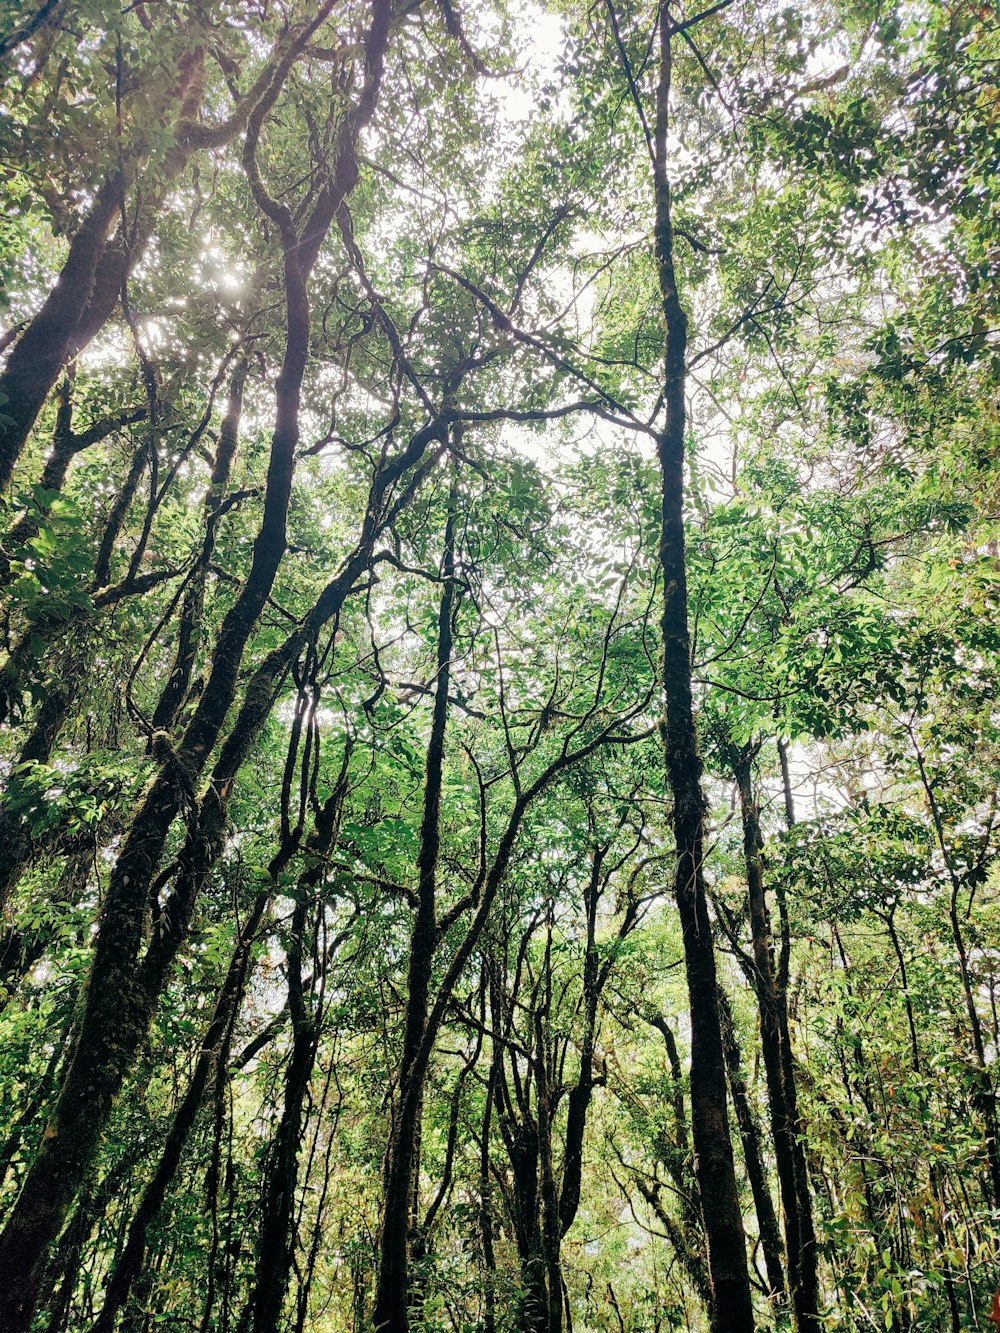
x=499 y=663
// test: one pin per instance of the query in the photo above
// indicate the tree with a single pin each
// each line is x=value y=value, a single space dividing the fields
x=497 y=697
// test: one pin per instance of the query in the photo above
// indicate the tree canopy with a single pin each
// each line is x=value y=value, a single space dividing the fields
x=499 y=666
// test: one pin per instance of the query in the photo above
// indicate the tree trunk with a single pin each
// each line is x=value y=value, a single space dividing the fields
x=392 y=1297
x=117 y=1006
x=750 y=1133
x=581 y=1093
x=486 y=1208
x=275 y=1246
x=96 y=268
x=276 y=1238
x=687 y=1239
x=732 y=1310
x=779 y=1067
x=207 y=1065
x=189 y=630
x=550 y=1229
x=40 y=352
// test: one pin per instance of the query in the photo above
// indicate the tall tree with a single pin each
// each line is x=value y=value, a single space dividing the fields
x=714 y=1164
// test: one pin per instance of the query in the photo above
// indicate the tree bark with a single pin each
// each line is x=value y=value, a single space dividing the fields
x=779 y=1067
x=118 y=1000
x=750 y=1133
x=276 y=1238
x=274 y=1251
x=42 y=349
x=392 y=1297
x=91 y=280
x=207 y=1065
x=189 y=629
x=732 y=1310
x=687 y=1239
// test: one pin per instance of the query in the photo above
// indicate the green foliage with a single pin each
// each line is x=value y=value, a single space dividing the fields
x=834 y=207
